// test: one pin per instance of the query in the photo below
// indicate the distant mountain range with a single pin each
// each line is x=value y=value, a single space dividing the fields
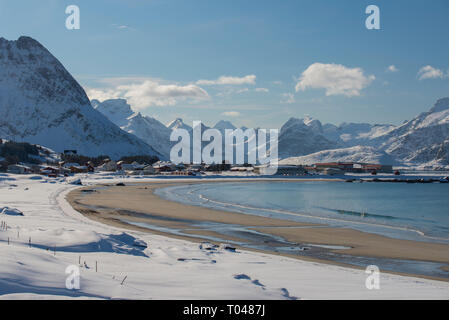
x=422 y=141
x=41 y=103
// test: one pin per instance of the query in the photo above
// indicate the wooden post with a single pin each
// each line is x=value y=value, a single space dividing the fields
x=96 y=266
x=29 y=242
x=8 y=241
x=79 y=260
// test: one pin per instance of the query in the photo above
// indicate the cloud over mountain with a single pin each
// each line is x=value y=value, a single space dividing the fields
x=146 y=93
x=429 y=72
x=336 y=79
x=228 y=80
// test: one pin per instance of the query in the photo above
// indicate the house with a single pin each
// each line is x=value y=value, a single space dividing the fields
x=79 y=169
x=18 y=169
x=284 y=170
x=70 y=164
x=196 y=167
x=354 y=167
x=164 y=166
x=52 y=171
x=377 y=168
x=148 y=170
x=242 y=169
x=333 y=171
x=108 y=165
x=344 y=166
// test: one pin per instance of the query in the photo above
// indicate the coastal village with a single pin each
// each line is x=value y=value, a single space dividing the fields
x=140 y=168
x=24 y=158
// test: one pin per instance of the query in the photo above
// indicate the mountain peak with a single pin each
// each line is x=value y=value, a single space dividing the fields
x=41 y=103
x=223 y=125
x=441 y=105
x=116 y=110
x=178 y=124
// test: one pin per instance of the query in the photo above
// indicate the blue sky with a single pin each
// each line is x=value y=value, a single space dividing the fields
x=253 y=62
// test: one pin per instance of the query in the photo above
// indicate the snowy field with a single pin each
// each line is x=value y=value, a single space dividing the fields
x=122 y=264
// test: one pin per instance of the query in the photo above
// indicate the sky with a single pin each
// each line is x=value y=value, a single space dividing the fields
x=255 y=63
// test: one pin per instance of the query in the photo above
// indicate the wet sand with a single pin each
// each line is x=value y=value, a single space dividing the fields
x=136 y=205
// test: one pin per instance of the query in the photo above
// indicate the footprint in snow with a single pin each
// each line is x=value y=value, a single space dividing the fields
x=284 y=291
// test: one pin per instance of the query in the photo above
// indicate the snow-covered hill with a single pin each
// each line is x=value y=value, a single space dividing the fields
x=24 y=151
x=41 y=103
x=361 y=154
x=300 y=137
x=146 y=128
x=352 y=134
x=423 y=140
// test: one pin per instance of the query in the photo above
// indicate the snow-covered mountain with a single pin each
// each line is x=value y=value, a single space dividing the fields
x=353 y=154
x=222 y=125
x=41 y=103
x=353 y=134
x=178 y=124
x=300 y=137
x=423 y=140
x=146 y=128
x=116 y=110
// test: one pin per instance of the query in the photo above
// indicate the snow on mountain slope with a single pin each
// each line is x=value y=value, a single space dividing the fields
x=301 y=137
x=222 y=125
x=41 y=103
x=116 y=110
x=423 y=140
x=354 y=154
x=178 y=124
x=352 y=134
x=146 y=128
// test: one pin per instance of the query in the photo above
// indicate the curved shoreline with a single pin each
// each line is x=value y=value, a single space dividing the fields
x=123 y=207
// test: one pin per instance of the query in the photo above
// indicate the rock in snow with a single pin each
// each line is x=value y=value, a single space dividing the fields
x=40 y=102
x=11 y=211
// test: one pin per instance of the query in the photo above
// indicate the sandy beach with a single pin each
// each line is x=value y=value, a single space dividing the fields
x=131 y=205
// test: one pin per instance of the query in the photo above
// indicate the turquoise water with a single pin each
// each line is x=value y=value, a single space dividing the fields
x=399 y=210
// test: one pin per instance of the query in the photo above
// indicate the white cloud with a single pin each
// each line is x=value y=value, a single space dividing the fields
x=289 y=98
x=233 y=114
x=392 y=68
x=227 y=80
x=149 y=93
x=242 y=90
x=122 y=27
x=429 y=72
x=335 y=78
x=262 y=90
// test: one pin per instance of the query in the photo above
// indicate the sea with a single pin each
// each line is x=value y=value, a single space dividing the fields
x=413 y=211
